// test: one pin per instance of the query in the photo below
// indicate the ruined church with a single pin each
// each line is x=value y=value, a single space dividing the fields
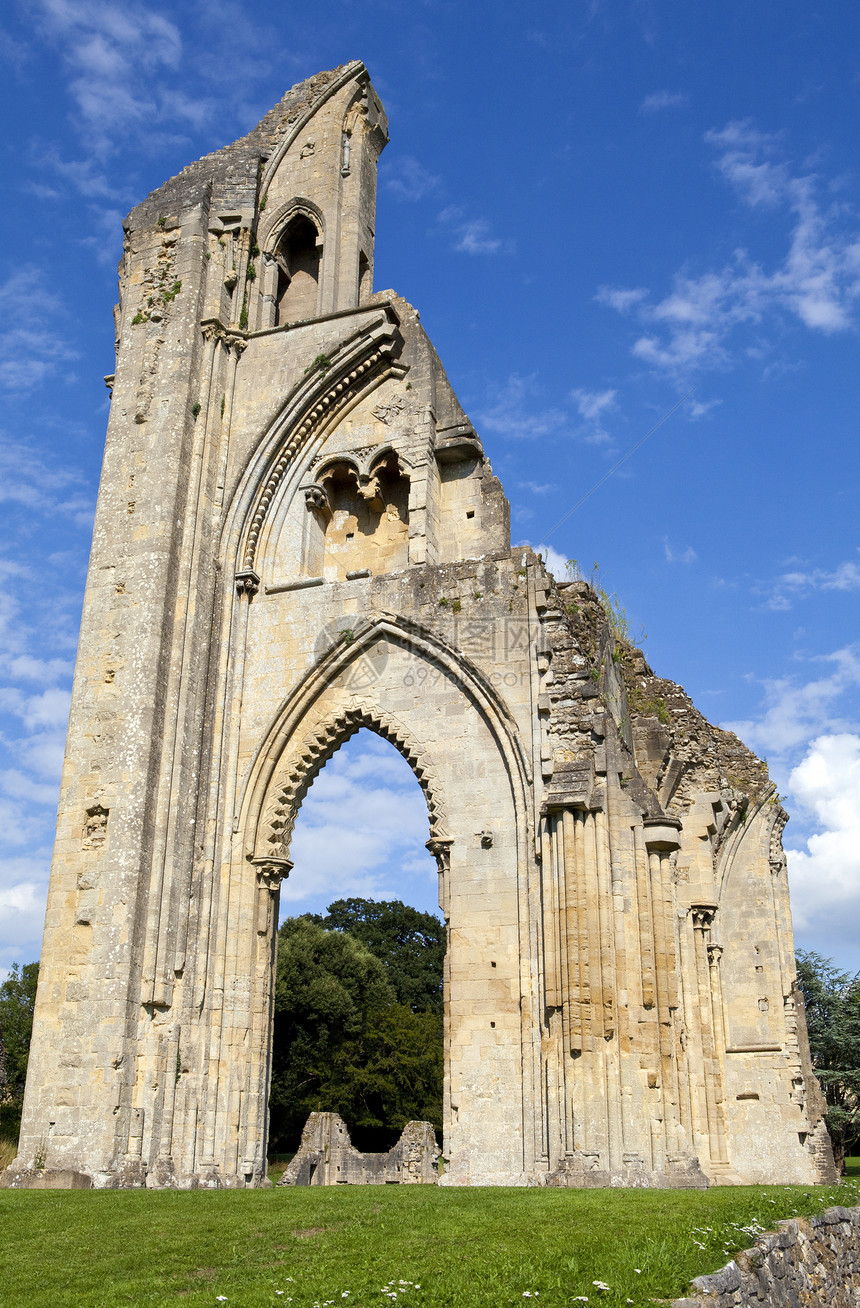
x=299 y=535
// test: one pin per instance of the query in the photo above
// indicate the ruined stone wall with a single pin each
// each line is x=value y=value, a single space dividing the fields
x=806 y=1262
x=298 y=535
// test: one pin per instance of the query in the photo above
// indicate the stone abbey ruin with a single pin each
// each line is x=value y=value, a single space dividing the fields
x=298 y=535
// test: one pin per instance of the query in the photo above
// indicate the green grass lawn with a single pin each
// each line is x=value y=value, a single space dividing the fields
x=375 y=1246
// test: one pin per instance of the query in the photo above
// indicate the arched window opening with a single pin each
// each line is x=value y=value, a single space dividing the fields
x=359 y=992
x=366 y=519
x=298 y=259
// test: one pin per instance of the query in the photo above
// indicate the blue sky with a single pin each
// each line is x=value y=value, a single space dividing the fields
x=597 y=208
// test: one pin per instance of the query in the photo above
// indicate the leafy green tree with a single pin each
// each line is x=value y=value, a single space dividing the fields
x=410 y=943
x=342 y=1044
x=832 y=1001
x=17 y=998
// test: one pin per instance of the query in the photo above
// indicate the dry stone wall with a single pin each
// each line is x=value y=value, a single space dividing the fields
x=805 y=1263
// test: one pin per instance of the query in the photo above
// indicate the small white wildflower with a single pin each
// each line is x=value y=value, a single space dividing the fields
x=638 y=1271
x=601 y=1285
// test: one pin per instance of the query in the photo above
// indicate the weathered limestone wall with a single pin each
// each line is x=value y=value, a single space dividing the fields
x=326 y=1156
x=298 y=535
x=803 y=1264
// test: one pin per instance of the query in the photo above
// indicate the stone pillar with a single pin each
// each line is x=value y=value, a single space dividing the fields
x=710 y=1031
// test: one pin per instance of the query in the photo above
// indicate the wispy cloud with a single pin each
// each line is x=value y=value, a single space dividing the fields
x=817 y=283
x=407 y=179
x=28 y=481
x=473 y=235
x=114 y=57
x=514 y=411
x=795 y=712
x=592 y=405
x=673 y=555
x=31 y=346
x=658 y=100
x=791 y=586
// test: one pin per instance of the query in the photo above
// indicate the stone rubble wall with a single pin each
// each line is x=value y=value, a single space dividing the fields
x=327 y=1156
x=805 y=1263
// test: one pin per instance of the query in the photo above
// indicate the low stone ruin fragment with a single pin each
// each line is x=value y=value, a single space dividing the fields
x=327 y=1156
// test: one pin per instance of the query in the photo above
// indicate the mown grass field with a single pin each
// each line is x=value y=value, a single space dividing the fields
x=372 y=1247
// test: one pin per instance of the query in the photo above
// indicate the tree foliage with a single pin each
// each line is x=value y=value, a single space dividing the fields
x=832 y=1001
x=411 y=944
x=17 y=998
x=342 y=1042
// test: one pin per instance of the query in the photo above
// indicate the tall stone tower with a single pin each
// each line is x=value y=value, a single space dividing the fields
x=298 y=535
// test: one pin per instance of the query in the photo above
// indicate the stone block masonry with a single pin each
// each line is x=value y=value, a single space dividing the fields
x=326 y=1156
x=299 y=534
x=805 y=1263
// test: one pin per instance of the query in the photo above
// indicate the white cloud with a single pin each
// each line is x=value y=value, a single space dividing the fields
x=658 y=100
x=795 y=713
x=817 y=283
x=114 y=57
x=23 y=892
x=797 y=584
x=473 y=235
x=617 y=297
x=687 y=555
x=825 y=875
x=48 y=709
x=513 y=414
x=554 y=562
x=368 y=790
x=591 y=405
x=408 y=179
x=31 y=347
x=28 y=481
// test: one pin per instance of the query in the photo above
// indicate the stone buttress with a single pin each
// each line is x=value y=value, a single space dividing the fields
x=298 y=535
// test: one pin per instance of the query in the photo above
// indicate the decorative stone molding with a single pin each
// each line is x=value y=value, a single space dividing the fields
x=662 y=833
x=441 y=851
x=247 y=583
x=703 y=916
x=272 y=871
x=309 y=758
x=317 y=501
x=317 y=409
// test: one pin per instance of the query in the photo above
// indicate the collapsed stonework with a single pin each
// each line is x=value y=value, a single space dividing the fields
x=298 y=534
x=327 y=1156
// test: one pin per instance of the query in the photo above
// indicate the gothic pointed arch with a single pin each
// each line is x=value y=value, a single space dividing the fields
x=331 y=387
x=305 y=732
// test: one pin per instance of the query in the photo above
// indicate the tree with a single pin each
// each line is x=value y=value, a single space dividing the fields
x=343 y=1044
x=410 y=943
x=832 y=1001
x=17 y=998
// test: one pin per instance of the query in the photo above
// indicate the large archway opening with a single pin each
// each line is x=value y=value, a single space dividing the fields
x=358 y=1024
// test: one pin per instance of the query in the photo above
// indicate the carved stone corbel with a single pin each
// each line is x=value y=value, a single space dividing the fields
x=271 y=871
x=703 y=916
x=440 y=848
x=247 y=583
x=368 y=489
x=317 y=501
